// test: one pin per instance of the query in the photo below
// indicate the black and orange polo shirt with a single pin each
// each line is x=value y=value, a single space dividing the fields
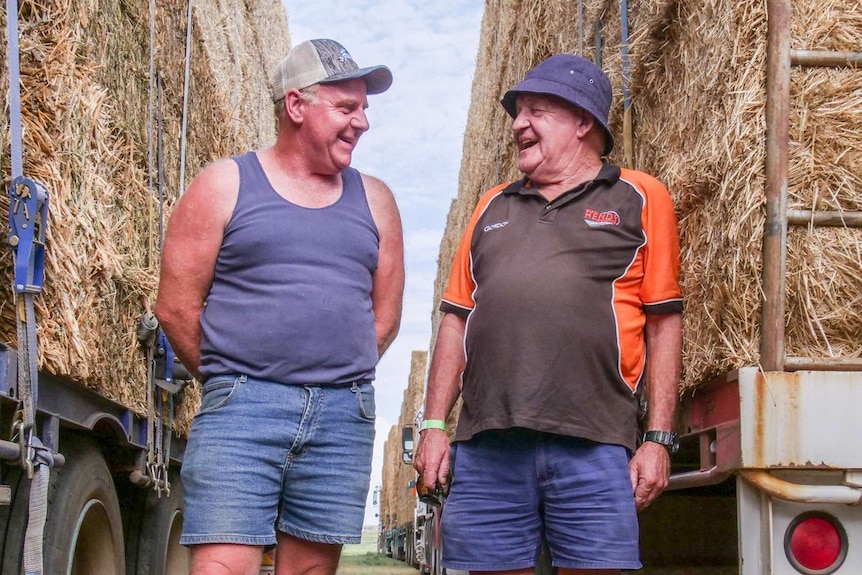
x=556 y=295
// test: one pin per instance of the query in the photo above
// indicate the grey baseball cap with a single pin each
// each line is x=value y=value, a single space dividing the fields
x=574 y=79
x=323 y=61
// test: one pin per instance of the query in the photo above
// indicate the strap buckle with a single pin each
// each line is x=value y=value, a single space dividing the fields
x=169 y=373
x=28 y=224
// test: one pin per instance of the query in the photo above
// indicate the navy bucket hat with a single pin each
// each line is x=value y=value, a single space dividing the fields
x=574 y=79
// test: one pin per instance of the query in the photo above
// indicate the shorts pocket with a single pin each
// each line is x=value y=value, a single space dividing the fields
x=367 y=405
x=453 y=450
x=218 y=391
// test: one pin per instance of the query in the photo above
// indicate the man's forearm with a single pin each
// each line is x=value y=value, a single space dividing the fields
x=447 y=365
x=385 y=336
x=184 y=334
x=664 y=364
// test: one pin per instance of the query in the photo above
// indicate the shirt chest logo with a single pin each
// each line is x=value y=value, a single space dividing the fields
x=498 y=225
x=596 y=219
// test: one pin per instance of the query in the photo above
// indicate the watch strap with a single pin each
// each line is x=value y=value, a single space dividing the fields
x=667 y=438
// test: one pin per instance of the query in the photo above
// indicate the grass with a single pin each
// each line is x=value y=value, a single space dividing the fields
x=372 y=564
x=368 y=544
x=362 y=559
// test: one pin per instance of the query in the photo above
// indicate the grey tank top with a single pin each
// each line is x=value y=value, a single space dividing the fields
x=291 y=296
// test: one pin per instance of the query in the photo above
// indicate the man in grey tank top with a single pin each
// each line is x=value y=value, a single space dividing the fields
x=281 y=284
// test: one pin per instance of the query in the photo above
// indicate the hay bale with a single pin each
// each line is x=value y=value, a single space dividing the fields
x=391 y=465
x=698 y=89
x=86 y=110
x=711 y=65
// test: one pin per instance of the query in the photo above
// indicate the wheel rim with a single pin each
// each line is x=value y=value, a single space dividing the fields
x=176 y=556
x=92 y=546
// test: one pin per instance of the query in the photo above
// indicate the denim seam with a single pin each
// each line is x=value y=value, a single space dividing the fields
x=228 y=538
x=600 y=565
x=321 y=537
x=488 y=567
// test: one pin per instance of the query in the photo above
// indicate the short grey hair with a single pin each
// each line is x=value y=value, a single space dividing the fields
x=309 y=94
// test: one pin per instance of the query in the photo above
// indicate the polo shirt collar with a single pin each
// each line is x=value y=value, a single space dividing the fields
x=609 y=174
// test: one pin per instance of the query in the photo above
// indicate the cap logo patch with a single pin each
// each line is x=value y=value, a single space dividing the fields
x=344 y=56
x=596 y=219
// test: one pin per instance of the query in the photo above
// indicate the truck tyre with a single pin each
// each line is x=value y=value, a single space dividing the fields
x=84 y=530
x=13 y=521
x=159 y=549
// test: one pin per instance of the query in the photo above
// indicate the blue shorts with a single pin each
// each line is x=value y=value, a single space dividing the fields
x=263 y=456
x=511 y=486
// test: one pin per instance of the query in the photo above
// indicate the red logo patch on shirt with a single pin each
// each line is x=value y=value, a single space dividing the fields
x=597 y=219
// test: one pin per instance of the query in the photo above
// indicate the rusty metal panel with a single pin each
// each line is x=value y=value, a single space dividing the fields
x=807 y=419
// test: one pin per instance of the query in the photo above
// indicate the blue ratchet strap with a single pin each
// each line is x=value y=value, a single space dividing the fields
x=28 y=222
x=169 y=387
x=169 y=355
x=168 y=382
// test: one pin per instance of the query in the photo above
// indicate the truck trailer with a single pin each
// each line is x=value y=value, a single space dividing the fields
x=108 y=104
x=106 y=506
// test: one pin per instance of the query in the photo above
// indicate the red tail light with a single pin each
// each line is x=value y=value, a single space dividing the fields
x=815 y=543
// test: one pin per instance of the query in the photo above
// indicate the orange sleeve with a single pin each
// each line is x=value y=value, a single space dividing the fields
x=660 y=289
x=459 y=290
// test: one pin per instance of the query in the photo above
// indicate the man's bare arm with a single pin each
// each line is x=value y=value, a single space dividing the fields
x=388 y=289
x=650 y=467
x=444 y=386
x=192 y=243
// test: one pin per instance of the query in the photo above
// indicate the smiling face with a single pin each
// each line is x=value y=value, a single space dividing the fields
x=549 y=134
x=333 y=121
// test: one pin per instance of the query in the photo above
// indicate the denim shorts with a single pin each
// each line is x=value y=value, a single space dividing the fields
x=263 y=456
x=511 y=487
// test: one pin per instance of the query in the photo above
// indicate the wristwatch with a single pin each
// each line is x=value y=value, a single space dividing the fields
x=667 y=438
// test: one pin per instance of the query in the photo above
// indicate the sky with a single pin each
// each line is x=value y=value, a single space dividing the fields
x=414 y=145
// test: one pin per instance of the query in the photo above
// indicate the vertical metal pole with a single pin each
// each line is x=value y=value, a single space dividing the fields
x=580 y=27
x=159 y=160
x=628 y=139
x=777 y=139
x=185 y=122
x=599 y=43
x=15 y=130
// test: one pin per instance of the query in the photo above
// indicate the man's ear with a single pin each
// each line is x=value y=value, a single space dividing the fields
x=294 y=106
x=586 y=123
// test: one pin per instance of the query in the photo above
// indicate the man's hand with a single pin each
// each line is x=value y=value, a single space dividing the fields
x=650 y=470
x=431 y=459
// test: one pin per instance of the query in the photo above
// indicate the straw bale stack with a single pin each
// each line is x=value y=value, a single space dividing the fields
x=86 y=105
x=698 y=89
x=397 y=499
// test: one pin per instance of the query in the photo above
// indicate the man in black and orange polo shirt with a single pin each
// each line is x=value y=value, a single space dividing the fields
x=564 y=287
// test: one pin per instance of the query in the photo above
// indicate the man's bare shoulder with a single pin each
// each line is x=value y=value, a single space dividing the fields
x=214 y=190
x=380 y=197
x=382 y=204
x=219 y=177
x=375 y=185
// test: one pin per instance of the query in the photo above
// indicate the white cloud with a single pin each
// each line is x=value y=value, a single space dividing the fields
x=414 y=144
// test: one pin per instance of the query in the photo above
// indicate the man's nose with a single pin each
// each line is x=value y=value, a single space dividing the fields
x=360 y=120
x=520 y=122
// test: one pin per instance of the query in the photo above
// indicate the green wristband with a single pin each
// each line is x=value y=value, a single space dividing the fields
x=432 y=424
